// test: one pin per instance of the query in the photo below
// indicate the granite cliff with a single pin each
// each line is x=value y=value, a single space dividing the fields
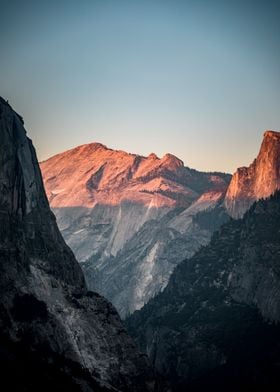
x=130 y=219
x=54 y=332
x=260 y=180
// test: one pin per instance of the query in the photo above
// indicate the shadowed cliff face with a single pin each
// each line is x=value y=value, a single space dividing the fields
x=128 y=218
x=53 y=331
x=260 y=180
x=216 y=325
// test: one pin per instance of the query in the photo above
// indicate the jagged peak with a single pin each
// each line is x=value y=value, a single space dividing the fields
x=89 y=148
x=259 y=180
x=270 y=133
x=269 y=144
x=243 y=169
x=83 y=148
x=5 y=103
x=172 y=159
x=153 y=156
x=95 y=146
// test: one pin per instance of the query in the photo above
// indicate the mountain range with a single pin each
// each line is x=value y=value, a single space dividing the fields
x=210 y=321
x=130 y=220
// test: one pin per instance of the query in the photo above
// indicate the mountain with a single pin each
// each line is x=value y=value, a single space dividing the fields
x=130 y=219
x=216 y=324
x=259 y=180
x=55 y=334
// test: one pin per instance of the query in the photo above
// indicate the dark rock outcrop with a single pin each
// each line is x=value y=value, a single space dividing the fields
x=53 y=332
x=216 y=325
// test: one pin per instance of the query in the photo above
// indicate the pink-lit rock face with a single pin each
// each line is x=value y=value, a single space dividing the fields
x=259 y=180
x=94 y=174
x=130 y=219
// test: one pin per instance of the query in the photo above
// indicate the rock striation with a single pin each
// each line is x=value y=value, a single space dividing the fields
x=260 y=180
x=130 y=219
x=216 y=326
x=54 y=332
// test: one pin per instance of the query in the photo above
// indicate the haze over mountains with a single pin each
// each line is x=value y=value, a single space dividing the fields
x=131 y=219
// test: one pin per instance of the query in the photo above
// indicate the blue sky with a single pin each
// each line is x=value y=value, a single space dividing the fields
x=199 y=79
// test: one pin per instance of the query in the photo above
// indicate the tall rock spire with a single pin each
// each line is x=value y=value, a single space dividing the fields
x=259 y=180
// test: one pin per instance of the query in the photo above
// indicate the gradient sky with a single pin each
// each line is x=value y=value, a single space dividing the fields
x=199 y=79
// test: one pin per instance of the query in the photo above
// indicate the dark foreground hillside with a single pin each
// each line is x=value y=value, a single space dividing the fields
x=216 y=325
x=54 y=334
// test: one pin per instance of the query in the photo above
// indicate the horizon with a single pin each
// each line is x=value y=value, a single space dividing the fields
x=197 y=80
x=158 y=156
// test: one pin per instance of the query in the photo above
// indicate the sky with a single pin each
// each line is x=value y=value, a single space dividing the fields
x=199 y=79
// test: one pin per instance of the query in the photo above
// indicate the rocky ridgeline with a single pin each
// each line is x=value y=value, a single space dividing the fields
x=130 y=219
